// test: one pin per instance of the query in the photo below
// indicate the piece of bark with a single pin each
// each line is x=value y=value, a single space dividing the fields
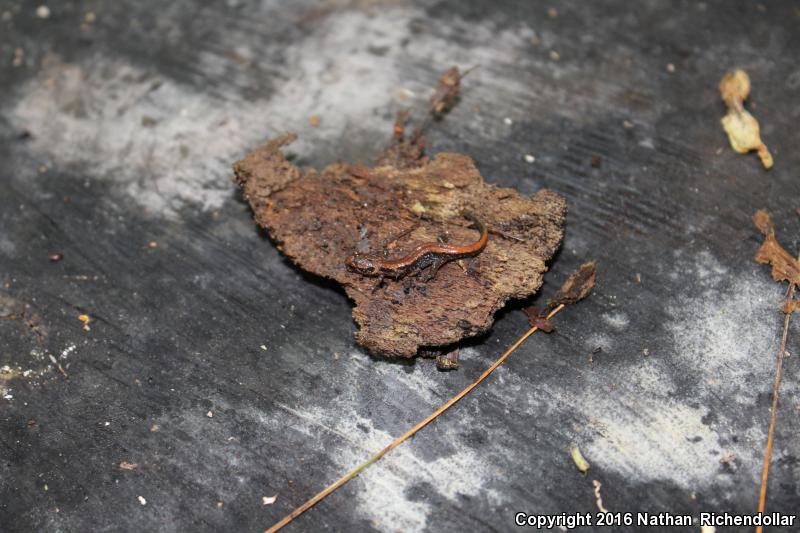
x=319 y=218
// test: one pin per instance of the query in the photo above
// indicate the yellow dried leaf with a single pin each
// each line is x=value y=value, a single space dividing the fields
x=742 y=128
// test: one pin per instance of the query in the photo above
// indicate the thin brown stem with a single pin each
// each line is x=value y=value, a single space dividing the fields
x=762 y=498
x=399 y=440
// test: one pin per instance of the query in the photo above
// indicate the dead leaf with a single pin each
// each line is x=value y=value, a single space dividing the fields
x=742 y=128
x=576 y=288
x=447 y=90
x=785 y=266
x=536 y=320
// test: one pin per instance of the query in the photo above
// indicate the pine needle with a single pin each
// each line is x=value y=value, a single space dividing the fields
x=395 y=443
x=762 y=498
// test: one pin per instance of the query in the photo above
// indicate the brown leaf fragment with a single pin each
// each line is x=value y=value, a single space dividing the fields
x=537 y=320
x=125 y=465
x=791 y=306
x=447 y=91
x=576 y=288
x=742 y=128
x=785 y=267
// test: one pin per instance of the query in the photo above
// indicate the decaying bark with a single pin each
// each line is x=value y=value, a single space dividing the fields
x=319 y=218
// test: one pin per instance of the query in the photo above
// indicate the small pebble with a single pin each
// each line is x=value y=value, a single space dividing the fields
x=43 y=12
x=670 y=68
x=210 y=414
x=268 y=500
x=56 y=257
x=529 y=158
x=142 y=500
x=507 y=121
x=555 y=56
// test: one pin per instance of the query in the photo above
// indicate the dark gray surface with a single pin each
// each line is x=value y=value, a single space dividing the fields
x=134 y=121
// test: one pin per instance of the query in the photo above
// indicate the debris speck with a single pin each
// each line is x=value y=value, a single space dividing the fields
x=597 y=497
x=579 y=460
x=268 y=500
x=220 y=504
x=125 y=465
x=529 y=158
x=56 y=257
x=43 y=12
x=263 y=347
x=670 y=68
x=106 y=424
x=142 y=500
x=68 y=350
x=627 y=124
x=314 y=121
x=152 y=244
x=89 y=17
x=552 y=12
x=19 y=55
x=507 y=121
x=154 y=428
x=210 y=414
x=555 y=56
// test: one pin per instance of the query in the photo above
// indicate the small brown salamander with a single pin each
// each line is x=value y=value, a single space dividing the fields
x=429 y=256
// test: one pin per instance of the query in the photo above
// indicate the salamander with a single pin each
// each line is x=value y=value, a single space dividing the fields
x=430 y=256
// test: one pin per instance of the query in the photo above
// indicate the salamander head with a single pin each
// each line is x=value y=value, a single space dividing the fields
x=362 y=264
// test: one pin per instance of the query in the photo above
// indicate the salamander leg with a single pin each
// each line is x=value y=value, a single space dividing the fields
x=432 y=269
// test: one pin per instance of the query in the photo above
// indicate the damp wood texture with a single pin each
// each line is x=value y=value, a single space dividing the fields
x=320 y=218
